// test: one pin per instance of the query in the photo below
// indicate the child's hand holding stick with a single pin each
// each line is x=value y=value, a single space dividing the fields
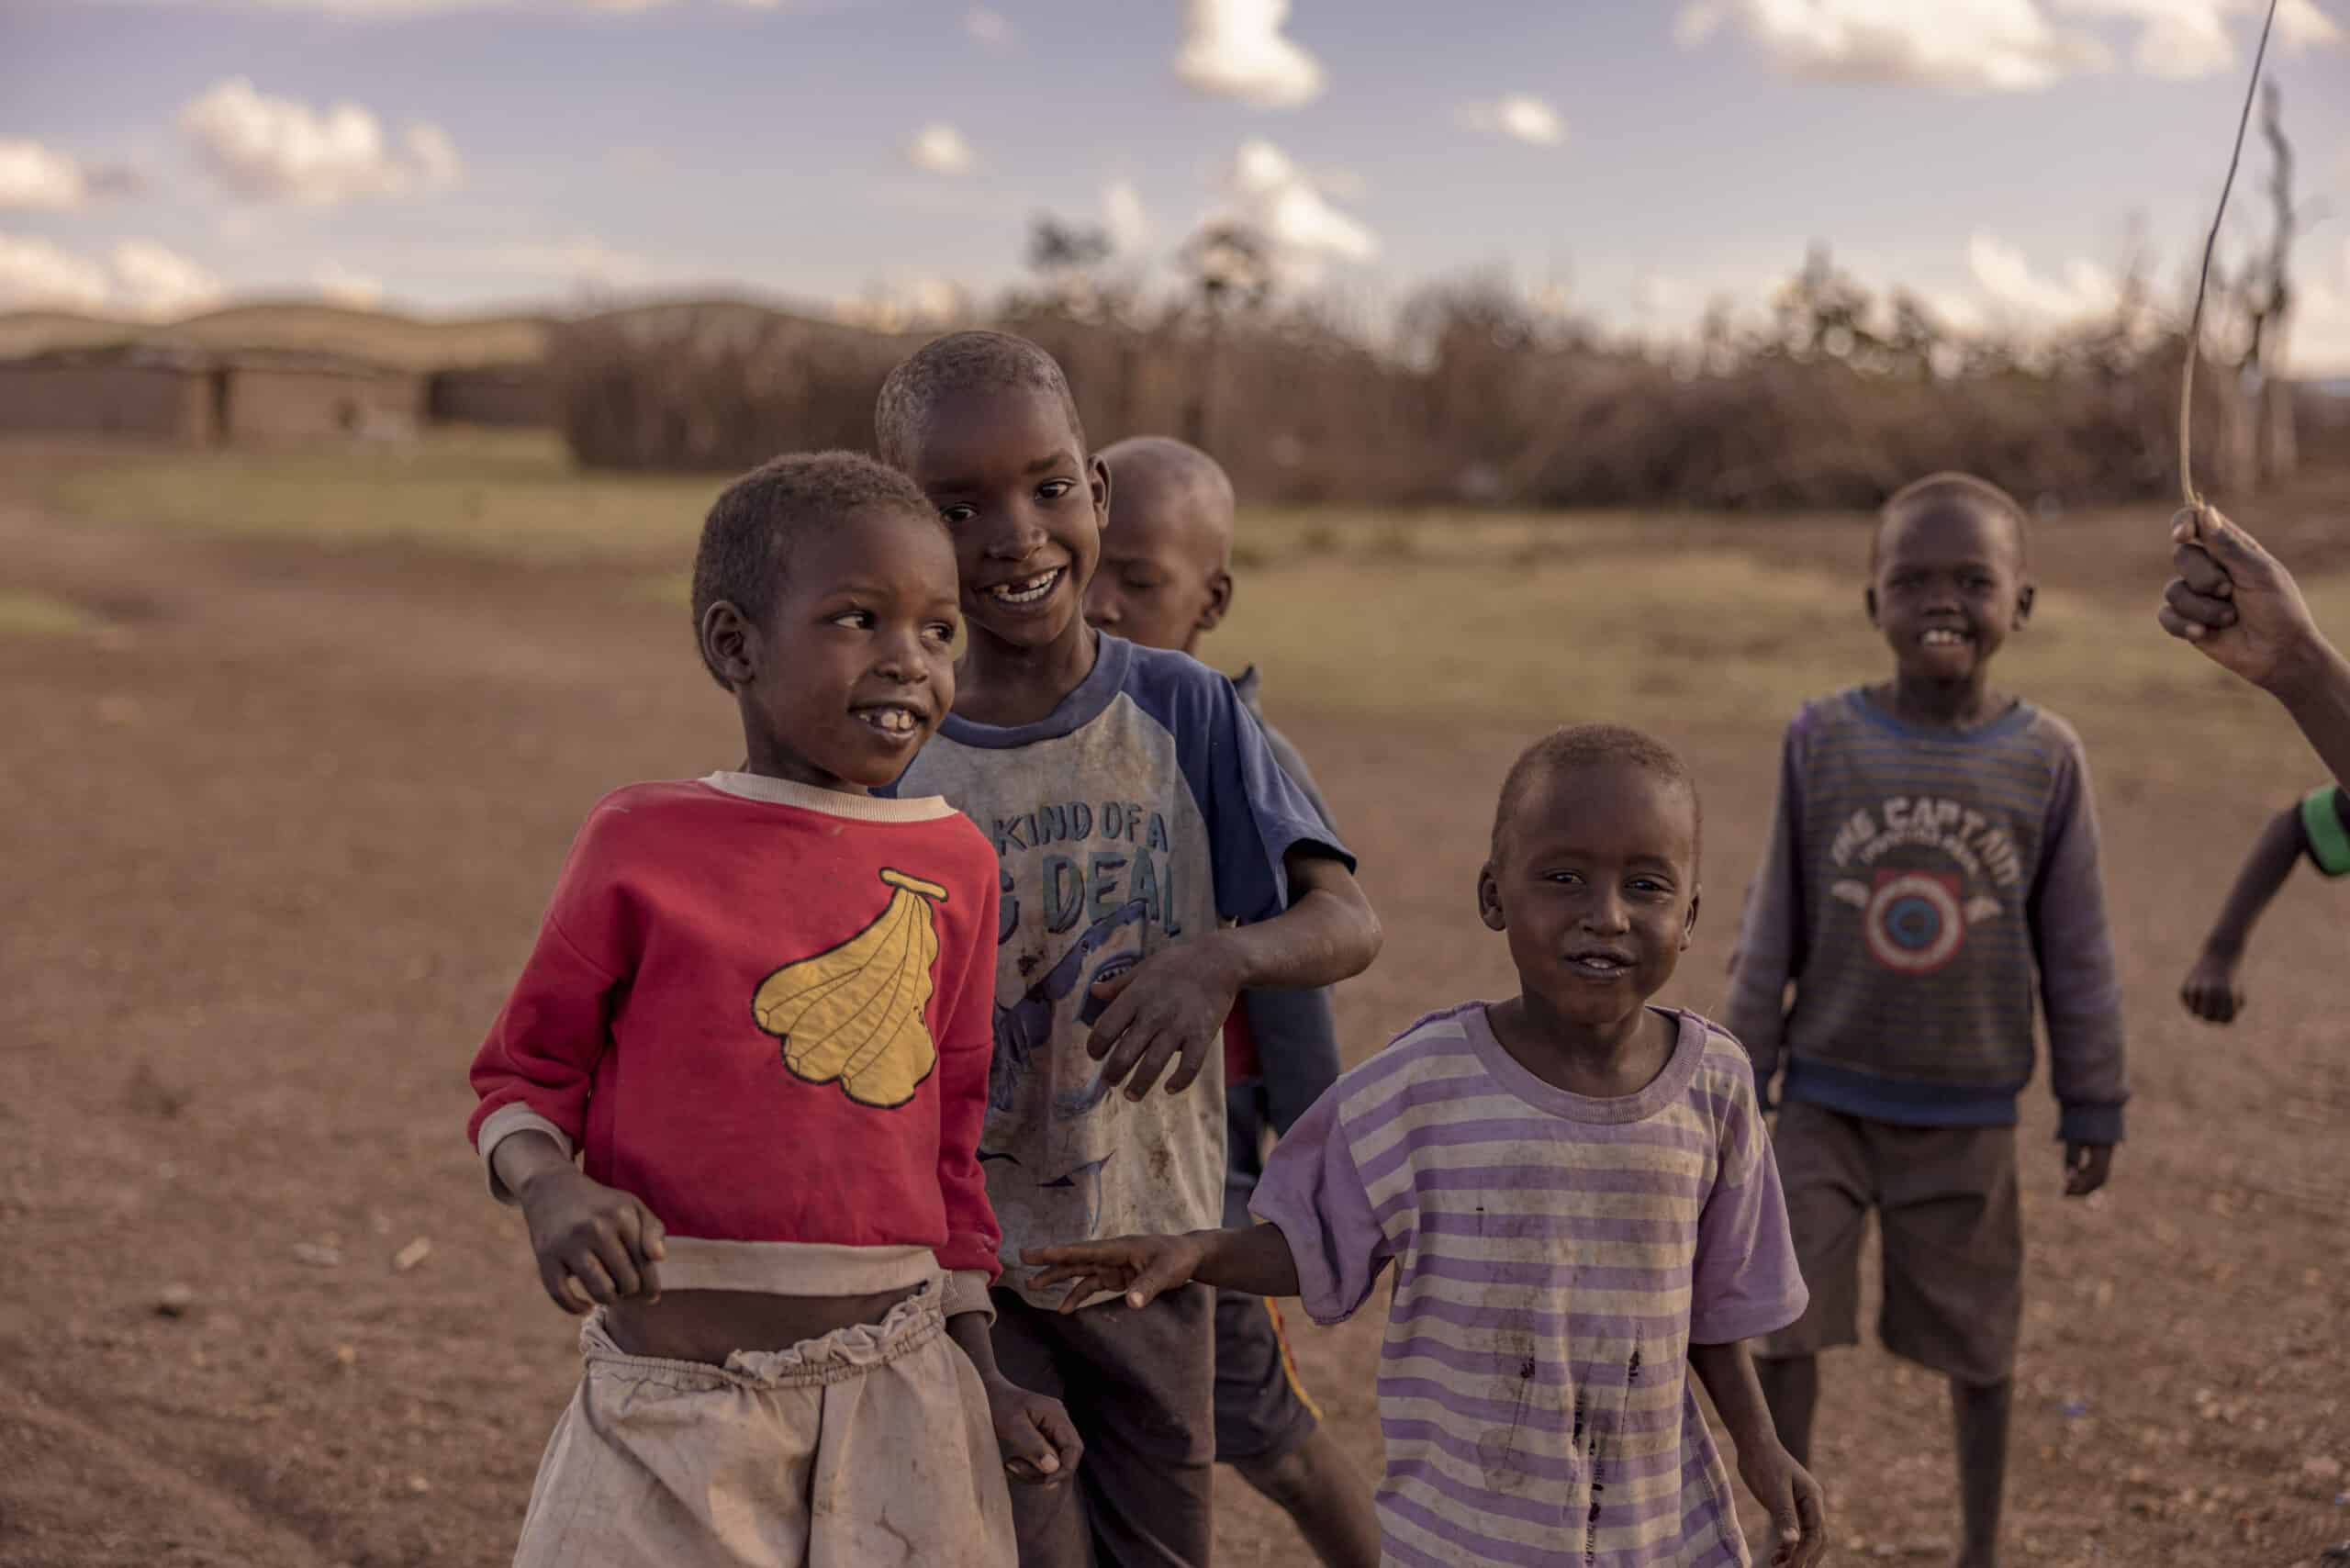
x=2239 y=606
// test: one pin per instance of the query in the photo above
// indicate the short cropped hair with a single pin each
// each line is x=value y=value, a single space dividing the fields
x=958 y=363
x=1952 y=487
x=1582 y=745
x=747 y=538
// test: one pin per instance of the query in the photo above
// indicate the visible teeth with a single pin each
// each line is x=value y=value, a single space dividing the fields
x=893 y=721
x=1028 y=590
x=1941 y=637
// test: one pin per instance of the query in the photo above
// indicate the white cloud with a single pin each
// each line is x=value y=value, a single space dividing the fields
x=141 y=278
x=987 y=29
x=901 y=304
x=2006 y=277
x=1961 y=45
x=2190 y=38
x=32 y=175
x=1998 y=45
x=341 y=286
x=1520 y=116
x=1234 y=49
x=277 y=148
x=152 y=280
x=941 y=149
x=1124 y=218
x=1270 y=194
x=35 y=274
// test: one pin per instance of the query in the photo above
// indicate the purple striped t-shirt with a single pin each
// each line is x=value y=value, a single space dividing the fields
x=1555 y=1257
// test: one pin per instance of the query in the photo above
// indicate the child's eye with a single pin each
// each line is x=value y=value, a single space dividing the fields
x=859 y=618
x=939 y=632
x=958 y=514
x=1054 y=489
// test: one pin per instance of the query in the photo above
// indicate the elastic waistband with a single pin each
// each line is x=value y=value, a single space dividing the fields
x=792 y=1268
x=844 y=1353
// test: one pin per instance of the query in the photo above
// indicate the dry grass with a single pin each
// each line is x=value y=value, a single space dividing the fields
x=29 y=614
x=386 y=337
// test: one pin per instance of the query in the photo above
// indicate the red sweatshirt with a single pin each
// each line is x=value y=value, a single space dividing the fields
x=766 y=1010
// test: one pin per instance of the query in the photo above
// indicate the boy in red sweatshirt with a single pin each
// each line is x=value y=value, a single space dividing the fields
x=759 y=1015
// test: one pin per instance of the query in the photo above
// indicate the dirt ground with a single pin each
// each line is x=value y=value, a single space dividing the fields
x=274 y=837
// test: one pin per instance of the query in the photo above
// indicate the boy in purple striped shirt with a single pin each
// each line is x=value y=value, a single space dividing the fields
x=1577 y=1194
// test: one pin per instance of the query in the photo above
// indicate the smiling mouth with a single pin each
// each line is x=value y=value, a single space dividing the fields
x=1022 y=591
x=1943 y=637
x=1599 y=965
x=893 y=719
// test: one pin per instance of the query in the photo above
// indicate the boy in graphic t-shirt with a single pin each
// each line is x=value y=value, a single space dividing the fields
x=1155 y=862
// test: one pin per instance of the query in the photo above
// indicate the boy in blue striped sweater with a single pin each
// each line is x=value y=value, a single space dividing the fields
x=1935 y=844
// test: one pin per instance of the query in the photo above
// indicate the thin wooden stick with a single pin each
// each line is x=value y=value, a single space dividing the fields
x=2188 y=493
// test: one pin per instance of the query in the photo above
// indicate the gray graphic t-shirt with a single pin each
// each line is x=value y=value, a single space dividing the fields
x=1146 y=808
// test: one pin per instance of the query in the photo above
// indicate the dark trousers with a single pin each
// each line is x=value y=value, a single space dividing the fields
x=1140 y=1384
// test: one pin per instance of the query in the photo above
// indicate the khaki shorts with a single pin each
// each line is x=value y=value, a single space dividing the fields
x=1952 y=1228
x=869 y=1446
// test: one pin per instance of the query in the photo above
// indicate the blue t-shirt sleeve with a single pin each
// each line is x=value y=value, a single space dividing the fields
x=1255 y=812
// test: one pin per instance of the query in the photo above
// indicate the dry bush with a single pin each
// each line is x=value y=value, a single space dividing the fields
x=1475 y=396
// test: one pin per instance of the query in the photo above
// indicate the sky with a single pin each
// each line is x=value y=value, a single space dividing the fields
x=1631 y=159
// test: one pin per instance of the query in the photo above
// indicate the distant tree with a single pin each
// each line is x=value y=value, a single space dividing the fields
x=1231 y=264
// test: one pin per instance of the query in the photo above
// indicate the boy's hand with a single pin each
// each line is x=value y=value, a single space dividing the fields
x=2087 y=1168
x=595 y=1244
x=1039 y=1442
x=1799 y=1508
x=2211 y=992
x=1144 y=1267
x=1172 y=1004
x=2235 y=601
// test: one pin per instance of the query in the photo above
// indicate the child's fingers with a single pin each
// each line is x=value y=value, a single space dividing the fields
x=2204 y=610
x=1116 y=1022
x=2195 y=566
x=1162 y=1049
x=1131 y=1044
x=1194 y=1059
x=560 y=1287
x=613 y=1250
x=1028 y=1453
x=641 y=1278
x=1053 y=1421
x=589 y=1273
x=1158 y=1274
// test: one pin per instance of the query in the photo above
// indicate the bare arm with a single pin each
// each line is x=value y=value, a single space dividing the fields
x=1254 y=1260
x=1798 y=1510
x=2274 y=854
x=1173 y=1003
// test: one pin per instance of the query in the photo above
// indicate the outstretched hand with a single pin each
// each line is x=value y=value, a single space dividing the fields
x=2233 y=601
x=1144 y=1267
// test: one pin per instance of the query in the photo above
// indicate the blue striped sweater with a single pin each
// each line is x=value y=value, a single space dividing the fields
x=1915 y=881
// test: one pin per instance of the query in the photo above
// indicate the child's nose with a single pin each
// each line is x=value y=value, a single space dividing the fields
x=1017 y=538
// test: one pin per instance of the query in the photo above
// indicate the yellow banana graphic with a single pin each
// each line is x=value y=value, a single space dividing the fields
x=858 y=1012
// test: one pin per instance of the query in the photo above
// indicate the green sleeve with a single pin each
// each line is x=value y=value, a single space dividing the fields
x=2321 y=825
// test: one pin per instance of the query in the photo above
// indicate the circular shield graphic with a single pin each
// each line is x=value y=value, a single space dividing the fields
x=1914 y=922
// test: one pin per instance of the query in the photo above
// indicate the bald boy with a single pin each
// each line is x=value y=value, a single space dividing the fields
x=1165 y=581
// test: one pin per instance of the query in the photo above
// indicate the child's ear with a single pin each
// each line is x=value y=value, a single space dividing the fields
x=1489 y=901
x=2023 y=605
x=730 y=644
x=1219 y=602
x=1097 y=480
x=1689 y=926
x=1868 y=596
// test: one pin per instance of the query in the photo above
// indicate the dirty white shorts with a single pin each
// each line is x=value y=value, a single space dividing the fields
x=868 y=1448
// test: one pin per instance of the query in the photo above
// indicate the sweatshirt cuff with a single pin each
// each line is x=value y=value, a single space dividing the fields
x=503 y=1123
x=2089 y=1123
x=966 y=1290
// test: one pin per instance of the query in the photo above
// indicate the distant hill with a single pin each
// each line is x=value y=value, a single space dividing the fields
x=387 y=337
